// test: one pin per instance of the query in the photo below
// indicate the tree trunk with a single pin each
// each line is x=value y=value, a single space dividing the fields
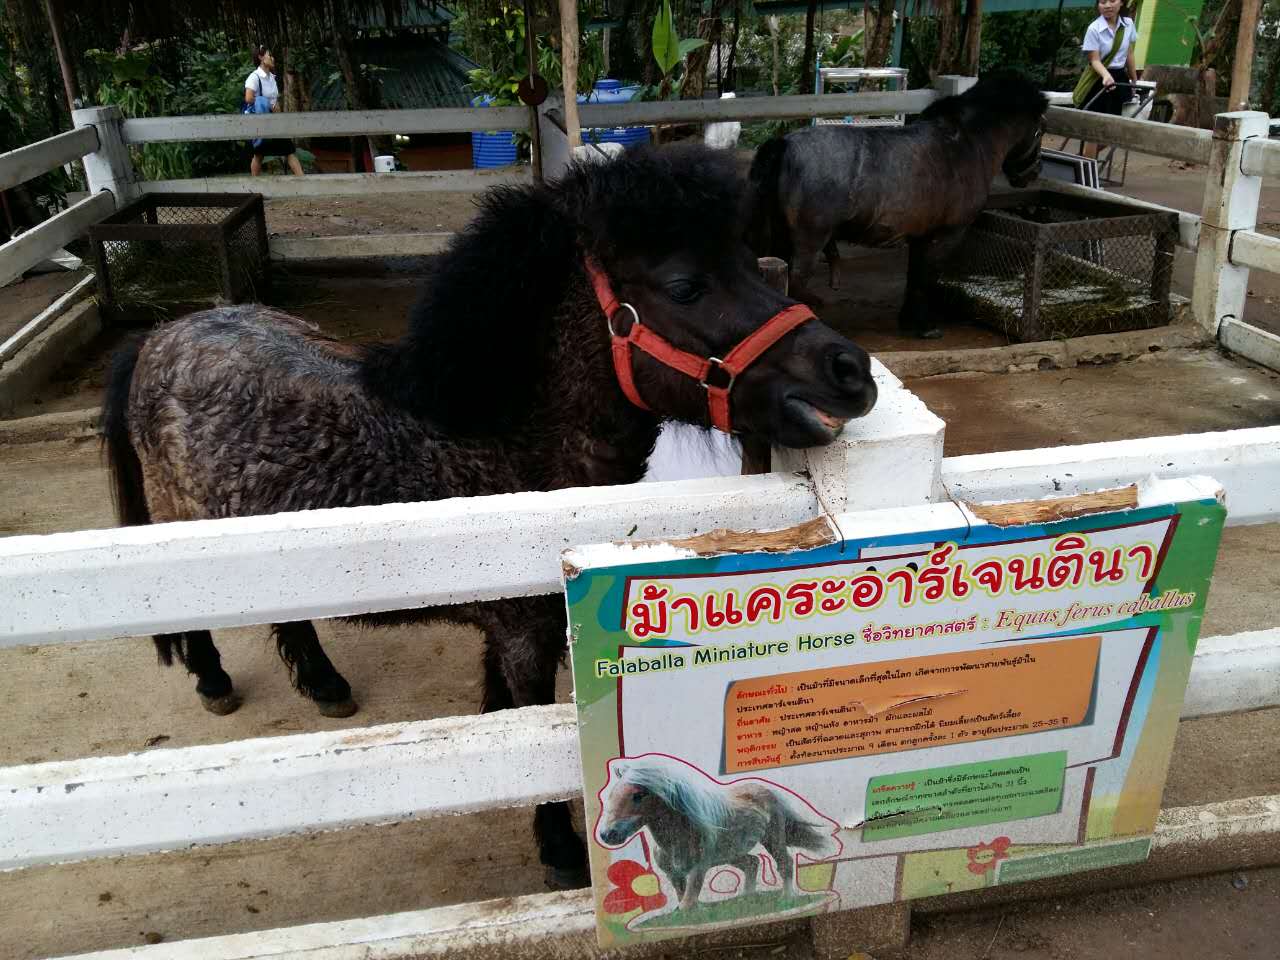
x=569 y=37
x=774 y=29
x=359 y=94
x=972 y=39
x=1242 y=66
x=946 y=58
x=878 y=32
x=730 y=78
x=711 y=29
x=53 y=10
x=806 y=66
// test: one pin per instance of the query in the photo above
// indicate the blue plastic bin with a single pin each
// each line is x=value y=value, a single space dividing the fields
x=612 y=91
x=493 y=149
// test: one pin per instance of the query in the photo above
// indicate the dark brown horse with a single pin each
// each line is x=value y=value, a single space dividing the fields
x=924 y=183
x=506 y=381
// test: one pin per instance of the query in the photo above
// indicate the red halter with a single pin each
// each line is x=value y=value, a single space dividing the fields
x=701 y=369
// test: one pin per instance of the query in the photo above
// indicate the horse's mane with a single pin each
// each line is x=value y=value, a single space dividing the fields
x=479 y=337
x=696 y=798
x=1000 y=96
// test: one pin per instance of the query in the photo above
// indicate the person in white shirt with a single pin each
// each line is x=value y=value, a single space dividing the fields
x=262 y=93
x=1099 y=41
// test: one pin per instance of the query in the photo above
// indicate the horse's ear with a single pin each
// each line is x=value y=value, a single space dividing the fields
x=619 y=768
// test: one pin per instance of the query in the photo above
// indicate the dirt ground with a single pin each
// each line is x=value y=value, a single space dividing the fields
x=109 y=697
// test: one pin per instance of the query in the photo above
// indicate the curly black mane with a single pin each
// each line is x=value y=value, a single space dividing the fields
x=480 y=329
x=1001 y=96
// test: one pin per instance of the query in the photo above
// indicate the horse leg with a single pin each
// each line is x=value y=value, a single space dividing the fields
x=775 y=841
x=195 y=650
x=749 y=864
x=313 y=675
x=832 y=252
x=925 y=258
x=523 y=644
x=693 y=887
x=804 y=263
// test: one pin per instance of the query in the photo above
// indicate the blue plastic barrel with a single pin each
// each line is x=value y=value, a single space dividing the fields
x=612 y=91
x=492 y=149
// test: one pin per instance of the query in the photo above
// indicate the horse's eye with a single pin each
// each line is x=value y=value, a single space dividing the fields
x=639 y=797
x=684 y=291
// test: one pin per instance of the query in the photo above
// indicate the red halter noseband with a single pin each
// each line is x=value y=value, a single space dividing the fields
x=701 y=369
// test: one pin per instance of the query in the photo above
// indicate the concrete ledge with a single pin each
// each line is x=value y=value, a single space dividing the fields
x=1252 y=343
x=68 y=425
x=1236 y=834
x=1190 y=841
x=1049 y=355
x=396 y=245
x=36 y=361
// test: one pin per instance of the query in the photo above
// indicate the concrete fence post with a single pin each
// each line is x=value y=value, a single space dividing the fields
x=109 y=167
x=1230 y=204
x=555 y=142
x=950 y=86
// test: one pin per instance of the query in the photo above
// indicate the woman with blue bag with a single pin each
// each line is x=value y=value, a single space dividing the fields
x=262 y=95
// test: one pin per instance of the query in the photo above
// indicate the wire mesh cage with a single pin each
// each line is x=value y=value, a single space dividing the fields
x=1042 y=265
x=187 y=249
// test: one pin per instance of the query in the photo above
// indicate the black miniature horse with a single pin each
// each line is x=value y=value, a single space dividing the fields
x=924 y=183
x=513 y=376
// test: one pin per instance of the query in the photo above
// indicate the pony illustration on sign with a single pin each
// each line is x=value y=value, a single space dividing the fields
x=697 y=824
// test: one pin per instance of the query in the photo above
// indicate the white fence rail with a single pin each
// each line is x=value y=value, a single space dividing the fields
x=323 y=123
x=1158 y=139
x=26 y=250
x=1245 y=462
x=346 y=184
x=19 y=166
x=325 y=563
x=170 y=799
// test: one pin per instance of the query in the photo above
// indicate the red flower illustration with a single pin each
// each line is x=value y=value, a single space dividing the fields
x=635 y=886
x=985 y=856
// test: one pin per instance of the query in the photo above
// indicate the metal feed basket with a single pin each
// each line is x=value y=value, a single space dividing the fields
x=1040 y=265
x=182 y=249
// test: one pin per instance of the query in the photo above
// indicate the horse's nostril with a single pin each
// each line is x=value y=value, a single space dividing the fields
x=849 y=370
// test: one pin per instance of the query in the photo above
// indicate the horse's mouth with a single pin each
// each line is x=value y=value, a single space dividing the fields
x=823 y=425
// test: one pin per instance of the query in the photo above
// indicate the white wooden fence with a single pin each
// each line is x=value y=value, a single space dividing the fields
x=98 y=584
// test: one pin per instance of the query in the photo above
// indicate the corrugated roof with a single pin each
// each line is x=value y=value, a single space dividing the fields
x=418 y=72
x=417 y=13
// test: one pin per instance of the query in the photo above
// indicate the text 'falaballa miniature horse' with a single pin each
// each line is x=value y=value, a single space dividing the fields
x=559 y=329
x=924 y=183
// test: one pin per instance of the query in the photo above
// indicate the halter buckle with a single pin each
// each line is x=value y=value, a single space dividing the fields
x=716 y=365
x=635 y=318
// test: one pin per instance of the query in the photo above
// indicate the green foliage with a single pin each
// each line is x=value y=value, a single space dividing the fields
x=209 y=78
x=498 y=44
x=135 y=87
x=668 y=49
x=1027 y=41
x=28 y=114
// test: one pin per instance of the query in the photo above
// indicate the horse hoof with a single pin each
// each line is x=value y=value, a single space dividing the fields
x=221 y=706
x=337 y=708
x=566 y=878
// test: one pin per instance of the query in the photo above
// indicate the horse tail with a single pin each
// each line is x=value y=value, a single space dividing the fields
x=123 y=465
x=125 y=469
x=807 y=829
x=767 y=227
